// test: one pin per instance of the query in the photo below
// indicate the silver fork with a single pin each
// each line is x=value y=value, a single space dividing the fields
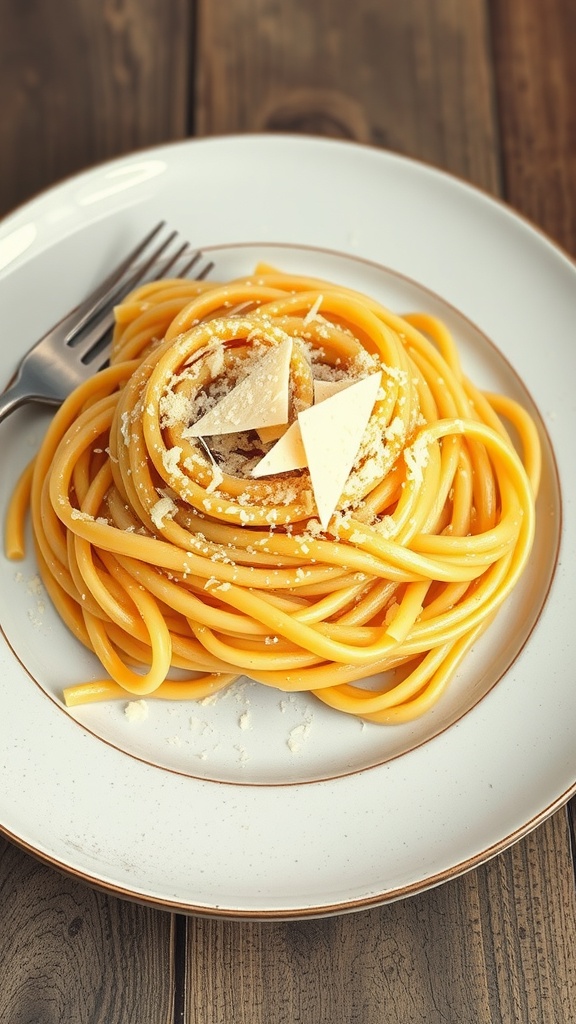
x=79 y=345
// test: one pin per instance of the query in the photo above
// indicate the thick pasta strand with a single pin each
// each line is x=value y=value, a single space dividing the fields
x=163 y=550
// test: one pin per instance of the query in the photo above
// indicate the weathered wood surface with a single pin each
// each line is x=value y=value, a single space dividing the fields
x=84 y=81
x=487 y=90
x=71 y=954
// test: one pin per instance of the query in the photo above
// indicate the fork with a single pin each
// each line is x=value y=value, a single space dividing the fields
x=79 y=344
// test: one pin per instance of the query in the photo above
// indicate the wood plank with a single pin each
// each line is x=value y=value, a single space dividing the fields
x=483 y=948
x=537 y=110
x=538 y=119
x=412 y=76
x=114 y=80
x=69 y=953
x=384 y=964
x=529 y=928
x=496 y=945
x=80 y=85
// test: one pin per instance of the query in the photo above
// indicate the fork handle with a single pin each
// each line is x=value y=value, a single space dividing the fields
x=17 y=394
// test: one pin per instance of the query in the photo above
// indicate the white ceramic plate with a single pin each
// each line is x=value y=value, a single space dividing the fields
x=261 y=804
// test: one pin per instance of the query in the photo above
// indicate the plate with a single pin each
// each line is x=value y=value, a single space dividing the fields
x=261 y=804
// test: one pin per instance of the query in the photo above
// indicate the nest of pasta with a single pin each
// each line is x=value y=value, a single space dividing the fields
x=169 y=557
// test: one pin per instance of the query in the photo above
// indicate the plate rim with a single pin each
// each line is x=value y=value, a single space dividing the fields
x=468 y=863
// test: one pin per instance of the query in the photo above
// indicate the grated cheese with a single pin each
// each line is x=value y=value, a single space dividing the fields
x=165 y=508
x=136 y=711
x=261 y=399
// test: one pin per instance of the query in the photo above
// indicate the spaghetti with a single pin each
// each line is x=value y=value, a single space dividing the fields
x=169 y=557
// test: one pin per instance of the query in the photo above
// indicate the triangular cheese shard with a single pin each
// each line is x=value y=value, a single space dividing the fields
x=260 y=400
x=288 y=453
x=268 y=434
x=332 y=433
x=324 y=389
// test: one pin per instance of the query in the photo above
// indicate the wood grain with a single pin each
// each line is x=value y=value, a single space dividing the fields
x=89 y=82
x=79 y=85
x=411 y=76
x=71 y=954
x=415 y=78
x=486 y=90
x=528 y=901
x=536 y=88
x=482 y=948
x=535 y=73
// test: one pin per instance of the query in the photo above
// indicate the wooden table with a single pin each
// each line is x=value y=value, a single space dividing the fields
x=487 y=90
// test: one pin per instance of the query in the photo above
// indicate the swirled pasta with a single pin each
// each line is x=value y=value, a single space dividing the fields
x=169 y=557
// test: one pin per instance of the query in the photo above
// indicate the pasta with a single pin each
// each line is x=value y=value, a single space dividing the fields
x=167 y=554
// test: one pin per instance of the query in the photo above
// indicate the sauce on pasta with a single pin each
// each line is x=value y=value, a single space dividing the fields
x=167 y=554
